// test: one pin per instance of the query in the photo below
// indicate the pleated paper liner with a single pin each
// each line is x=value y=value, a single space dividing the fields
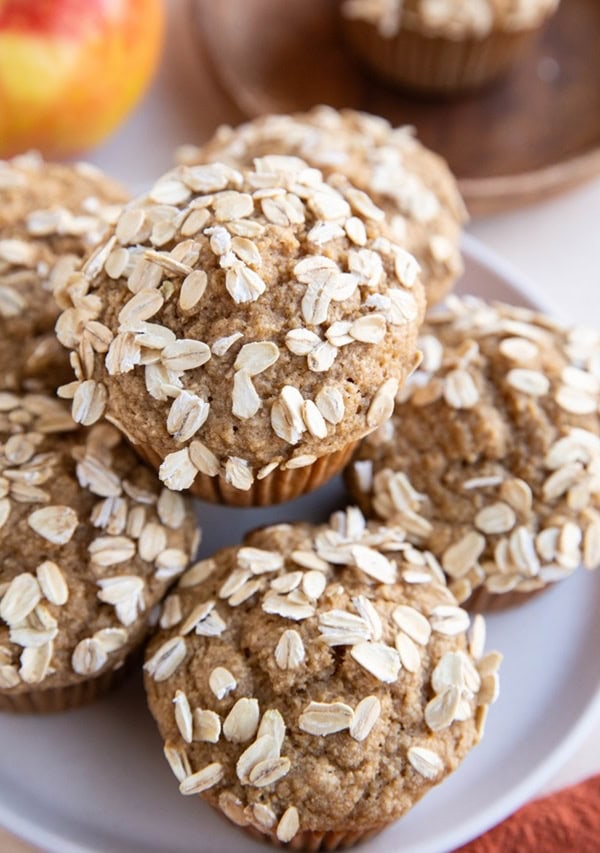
x=40 y=700
x=483 y=601
x=436 y=66
x=279 y=486
x=313 y=842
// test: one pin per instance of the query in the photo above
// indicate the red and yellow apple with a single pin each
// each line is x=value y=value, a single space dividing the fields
x=70 y=70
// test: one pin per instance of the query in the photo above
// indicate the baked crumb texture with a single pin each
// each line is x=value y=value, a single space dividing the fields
x=492 y=457
x=50 y=215
x=89 y=544
x=411 y=184
x=317 y=681
x=239 y=322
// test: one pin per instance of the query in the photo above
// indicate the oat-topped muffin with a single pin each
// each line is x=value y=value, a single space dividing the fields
x=89 y=542
x=442 y=45
x=411 y=184
x=452 y=18
x=245 y=328
x=493 y=454
x=50 y=215
x=316 y=682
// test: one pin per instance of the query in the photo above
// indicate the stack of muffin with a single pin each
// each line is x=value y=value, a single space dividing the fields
x=89 y=540
x=251 y=326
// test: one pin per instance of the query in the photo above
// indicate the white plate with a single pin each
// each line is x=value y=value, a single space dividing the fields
x=96 y=780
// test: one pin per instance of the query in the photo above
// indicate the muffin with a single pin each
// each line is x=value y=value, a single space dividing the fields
x=50 y=215
x=246 y=327
x=492 y=456
x=411 y=184
x=442 y=46
x=89 y=543
x=315 y=683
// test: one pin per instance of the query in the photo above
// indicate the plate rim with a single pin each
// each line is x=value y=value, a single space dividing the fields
x=484 y=255
x=530 y=785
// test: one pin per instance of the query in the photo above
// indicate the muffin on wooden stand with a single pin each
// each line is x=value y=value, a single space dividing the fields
x=442 y=46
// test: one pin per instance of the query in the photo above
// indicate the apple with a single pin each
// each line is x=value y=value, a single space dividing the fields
x=70 y=70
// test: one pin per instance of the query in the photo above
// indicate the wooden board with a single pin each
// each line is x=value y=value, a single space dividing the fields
x=535 y=134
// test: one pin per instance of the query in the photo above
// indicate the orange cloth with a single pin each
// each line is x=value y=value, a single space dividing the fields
x=566 y=821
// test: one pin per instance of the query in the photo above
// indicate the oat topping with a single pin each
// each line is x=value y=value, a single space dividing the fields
x=221 y=682
x=496 y=472
x=425 y=761
x=78 y=596
x=451 y=18
x=242 y=340
x=51 y=215
x=166 y=659
x=411 y=184
x=305 y=673
x=325 y=718
x=289 y=651
x=289 y=824
x=206 y=778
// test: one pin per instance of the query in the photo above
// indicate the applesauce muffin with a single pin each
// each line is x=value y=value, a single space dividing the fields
x=442 y=46
x=89 y=543
x=314 y=683
x=409 y=182
x=493 y=453
x=51 y=214
x=246 y=328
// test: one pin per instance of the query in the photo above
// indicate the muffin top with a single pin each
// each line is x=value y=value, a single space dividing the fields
x=493 y=454
x=50 y=215
x=239 y=321
x=88 y=544
x=317 y=678
x=449 y=18
x=411 y=184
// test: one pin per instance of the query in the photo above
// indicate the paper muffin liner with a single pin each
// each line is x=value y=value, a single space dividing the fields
x=313 y=841
x=279 y=486
x=483 y=601
x=436 y=65
x=56 y=699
